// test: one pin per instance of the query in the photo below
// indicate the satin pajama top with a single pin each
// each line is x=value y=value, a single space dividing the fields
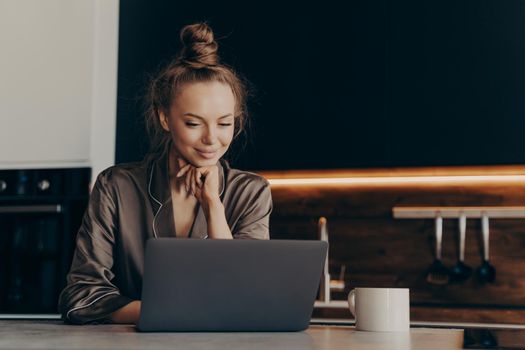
x=131 y=203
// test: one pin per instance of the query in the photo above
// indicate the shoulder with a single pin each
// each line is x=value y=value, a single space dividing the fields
x=121 y=174
x=245 y=179
x=244 y=187
x=248 y=204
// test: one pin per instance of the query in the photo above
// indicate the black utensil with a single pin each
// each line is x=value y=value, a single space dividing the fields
x=486 y=273
x=460 y=272
x=437 y=272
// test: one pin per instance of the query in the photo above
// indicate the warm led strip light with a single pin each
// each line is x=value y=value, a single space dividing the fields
x=397 y=180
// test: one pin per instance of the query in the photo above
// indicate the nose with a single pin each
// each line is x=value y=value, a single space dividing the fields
x=210 y=136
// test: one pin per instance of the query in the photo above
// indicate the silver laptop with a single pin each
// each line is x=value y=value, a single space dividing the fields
x=195 y=285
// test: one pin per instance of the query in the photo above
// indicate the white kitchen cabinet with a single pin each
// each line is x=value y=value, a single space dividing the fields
x=58 y=73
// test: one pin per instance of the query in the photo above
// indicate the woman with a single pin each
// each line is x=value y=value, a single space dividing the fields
x=181 y=189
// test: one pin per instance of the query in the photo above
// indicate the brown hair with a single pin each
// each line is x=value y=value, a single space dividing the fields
x=198 y=61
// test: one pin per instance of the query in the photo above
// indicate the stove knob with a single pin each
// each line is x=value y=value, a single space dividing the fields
x=3 y=185
x=43 y=185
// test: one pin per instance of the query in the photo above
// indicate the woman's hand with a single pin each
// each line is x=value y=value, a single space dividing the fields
x=129 y=313
x=202 y=182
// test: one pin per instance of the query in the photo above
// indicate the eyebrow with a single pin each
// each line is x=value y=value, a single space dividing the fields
x=198 y=116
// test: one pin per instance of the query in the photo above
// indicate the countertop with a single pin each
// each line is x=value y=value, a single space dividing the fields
x=38 y=334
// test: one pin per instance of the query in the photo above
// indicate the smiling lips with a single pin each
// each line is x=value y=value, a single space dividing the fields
x=206 y=154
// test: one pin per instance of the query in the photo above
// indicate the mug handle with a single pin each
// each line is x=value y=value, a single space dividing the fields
x=351 y=301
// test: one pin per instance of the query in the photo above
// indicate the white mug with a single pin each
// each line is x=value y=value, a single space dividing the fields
x=380 y=309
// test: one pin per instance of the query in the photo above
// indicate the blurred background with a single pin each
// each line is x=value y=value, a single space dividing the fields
x=393 y=129
x=361 y=84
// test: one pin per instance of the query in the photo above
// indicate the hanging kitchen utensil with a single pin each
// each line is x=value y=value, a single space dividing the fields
x=460 y=272
x=437 y=272
x=486 y=273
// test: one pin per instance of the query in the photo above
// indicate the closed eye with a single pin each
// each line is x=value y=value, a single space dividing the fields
x=225 y=124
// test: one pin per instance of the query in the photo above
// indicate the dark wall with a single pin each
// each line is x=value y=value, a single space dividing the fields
x=368 y=84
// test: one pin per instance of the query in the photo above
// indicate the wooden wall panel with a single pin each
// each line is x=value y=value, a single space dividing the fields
x=379 y=250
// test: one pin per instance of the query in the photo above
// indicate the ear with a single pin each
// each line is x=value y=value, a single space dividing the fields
x=164 y=121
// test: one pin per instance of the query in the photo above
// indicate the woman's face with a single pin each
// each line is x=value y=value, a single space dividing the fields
x=201 y=122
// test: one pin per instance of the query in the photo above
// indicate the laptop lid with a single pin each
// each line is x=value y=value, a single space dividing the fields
x=230 y=285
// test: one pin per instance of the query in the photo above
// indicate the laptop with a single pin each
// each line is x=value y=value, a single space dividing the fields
x=193 y=285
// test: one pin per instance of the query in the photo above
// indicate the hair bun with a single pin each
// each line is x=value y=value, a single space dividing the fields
x=199 y=46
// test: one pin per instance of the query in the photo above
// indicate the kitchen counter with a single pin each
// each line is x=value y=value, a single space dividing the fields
x=35 y=334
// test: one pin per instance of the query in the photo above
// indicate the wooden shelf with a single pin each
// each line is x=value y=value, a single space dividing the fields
x=502 y=212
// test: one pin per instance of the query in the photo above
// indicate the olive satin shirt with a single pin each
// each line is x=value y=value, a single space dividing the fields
x=131 y=203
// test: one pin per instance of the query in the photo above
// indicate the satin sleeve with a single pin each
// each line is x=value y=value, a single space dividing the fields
x=89 y=295
x=254 y=221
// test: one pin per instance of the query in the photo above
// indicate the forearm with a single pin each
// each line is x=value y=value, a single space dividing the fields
x=217 y=225
x=128 y=314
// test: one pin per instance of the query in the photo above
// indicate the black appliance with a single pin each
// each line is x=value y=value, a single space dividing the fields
x=40 y=213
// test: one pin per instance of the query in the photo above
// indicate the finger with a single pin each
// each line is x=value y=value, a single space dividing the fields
x=205 y=172
x=187 y=180
x=183 y=170
x=192 y=181
x=211 y=173
x=209 y=170
x=191 y=176
x=198 y=192
x=197 y=178
x=182 y=162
